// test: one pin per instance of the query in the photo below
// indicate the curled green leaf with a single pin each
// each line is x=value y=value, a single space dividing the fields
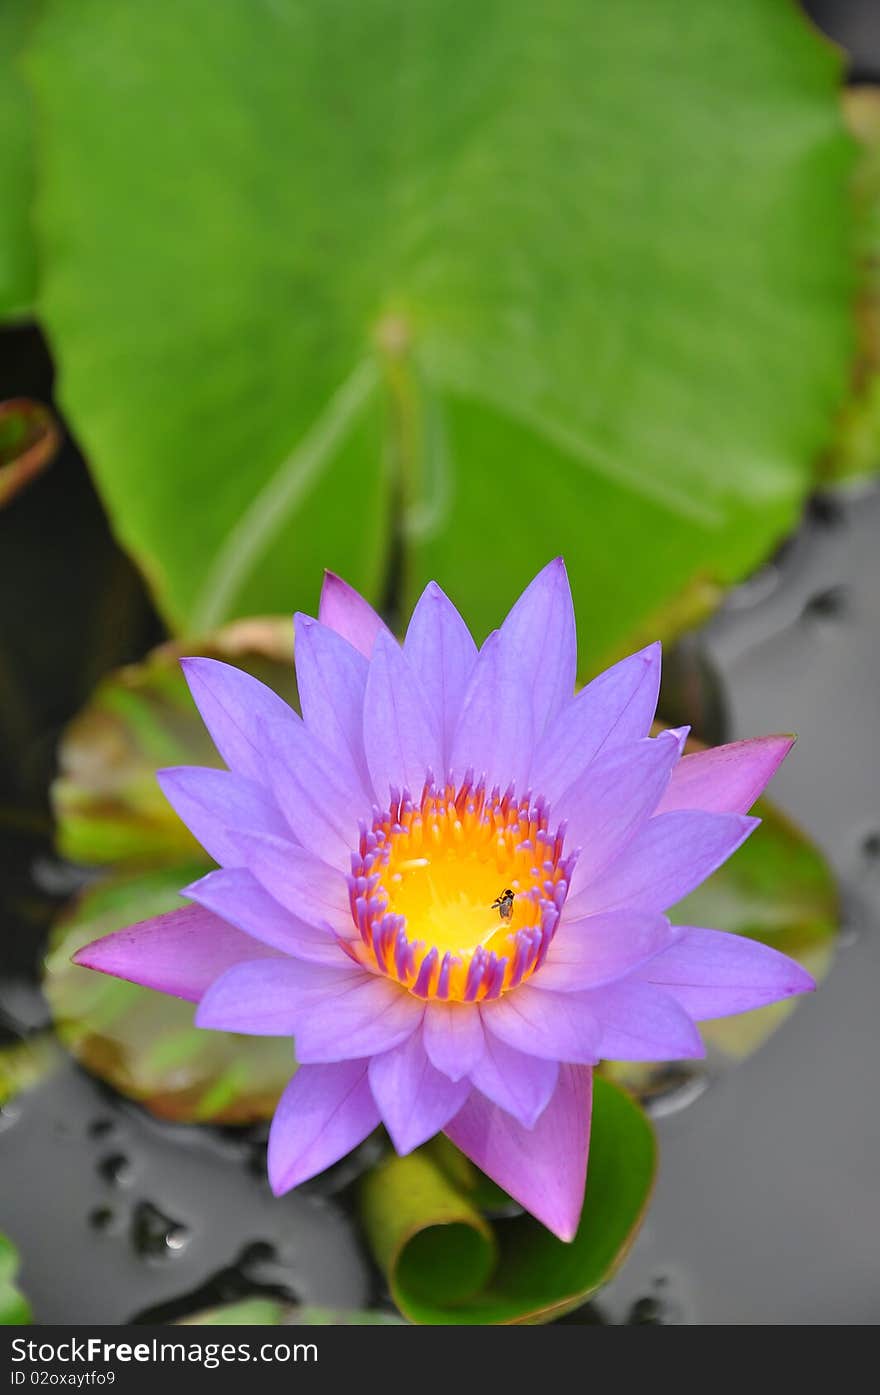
x=426 y=1220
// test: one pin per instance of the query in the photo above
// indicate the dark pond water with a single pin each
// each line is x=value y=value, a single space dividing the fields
x=768 y=1202
x=767 y=1207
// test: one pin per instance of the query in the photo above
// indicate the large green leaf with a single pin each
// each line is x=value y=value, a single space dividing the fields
x=17 y=263
x=446 y=1263
x=509 y=279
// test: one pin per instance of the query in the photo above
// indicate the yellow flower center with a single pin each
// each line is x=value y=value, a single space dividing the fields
x=458 y=896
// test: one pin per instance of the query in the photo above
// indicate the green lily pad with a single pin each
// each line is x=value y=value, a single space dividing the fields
x=14 y=1307
x=563 y=303
x=106 y=800
x=269 y=1312
x=144 y=1043
x=855 y=451
x=26 y=1063
x=249 y=1312
x=112 y=814
x=17 y=257
x=779 y=889
x=446 y=1263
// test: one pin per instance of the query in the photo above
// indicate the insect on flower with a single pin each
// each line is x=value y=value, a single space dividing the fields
x=360 y=844
x=503 y=904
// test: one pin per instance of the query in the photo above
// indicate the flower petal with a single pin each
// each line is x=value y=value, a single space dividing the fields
x=663 y=862
x=642 y=1023
x=494 y=733
x=236 y=709
x=401 y=732
x=334 y=1015
x=453 y=1037
x=216 y=804
x=726 y=779
x=331 y=677
x=711 y=973
x=256 y=997
x=414 y=1099
x=358 y=1015
x=320 y=794
x=614 y=795
x=555 y=1026
x=324 y=1112
x=520 y=1084
x=235 y=894
x=543 y=1168
x=601 y=948
x=303 y=884
x=440 y=649
x=541 y=630
x=616 y=706
x=180 y=953
x=342 y=609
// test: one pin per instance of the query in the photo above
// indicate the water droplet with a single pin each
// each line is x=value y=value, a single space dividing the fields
x=645 y=1312
x=102 y=1218
x=830 y=604
x=100 y=1128
x=155 y=1234
x=116 y=1169
x=871 y=845
x=656 y=1309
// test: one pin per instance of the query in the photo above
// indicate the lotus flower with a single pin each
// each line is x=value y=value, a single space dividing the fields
x=447 y=882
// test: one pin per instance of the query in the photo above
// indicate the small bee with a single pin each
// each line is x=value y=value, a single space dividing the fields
x=504 y=904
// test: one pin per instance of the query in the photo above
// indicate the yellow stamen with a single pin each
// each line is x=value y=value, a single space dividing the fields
x=426 y=887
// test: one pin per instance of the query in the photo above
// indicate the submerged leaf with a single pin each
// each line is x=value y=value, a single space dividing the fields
x=108 y=804
x=26 y=1063
x=111 y=813
x=779 y=889
x=269 y=1312
x=445 y=1263
x=14 y=1307
x=142 y=1042
x=564 y=302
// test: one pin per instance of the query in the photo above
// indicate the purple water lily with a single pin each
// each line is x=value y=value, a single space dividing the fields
x=448 y=879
